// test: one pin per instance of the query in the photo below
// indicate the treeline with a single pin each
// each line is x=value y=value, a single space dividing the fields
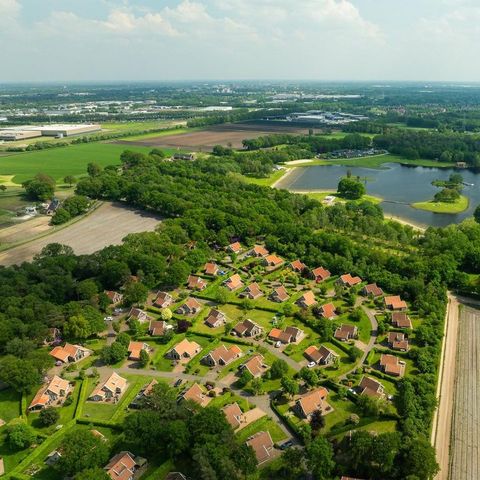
x=237 y=115
x=314 y=143
x=442 y=146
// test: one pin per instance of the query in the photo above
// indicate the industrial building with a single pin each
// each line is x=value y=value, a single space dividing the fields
x=58 y=131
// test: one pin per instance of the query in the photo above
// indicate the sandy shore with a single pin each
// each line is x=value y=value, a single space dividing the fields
x=405 y=222
x=287 y=173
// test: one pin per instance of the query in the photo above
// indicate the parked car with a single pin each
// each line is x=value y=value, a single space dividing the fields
x=311 y=364
x=178 y=382
x=278 y=344
x=287 y=444
x=108 y=319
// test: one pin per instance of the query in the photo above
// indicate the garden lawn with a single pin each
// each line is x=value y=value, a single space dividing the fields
x=9 y=404
x=443 y=207
x=262 y=424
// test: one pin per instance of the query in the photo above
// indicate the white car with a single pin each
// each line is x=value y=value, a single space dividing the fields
x=108 y=319
x=278 y=344
x=311 y=364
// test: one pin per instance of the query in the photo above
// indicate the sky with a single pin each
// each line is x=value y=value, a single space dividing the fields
x=164 y=40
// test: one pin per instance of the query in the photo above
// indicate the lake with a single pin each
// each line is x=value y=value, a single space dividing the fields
x=393 y=183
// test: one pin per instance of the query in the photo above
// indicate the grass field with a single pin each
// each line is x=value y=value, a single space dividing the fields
x=58 y=162
x=442 y=207
x=321 y=196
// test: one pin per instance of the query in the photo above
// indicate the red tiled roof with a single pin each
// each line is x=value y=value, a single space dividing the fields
x=320 y=273
x=347 y=279
x=373 y=289
x=328 y=310
x=395 y=302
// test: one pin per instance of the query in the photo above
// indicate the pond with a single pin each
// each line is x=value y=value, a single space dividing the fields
x=398 y=185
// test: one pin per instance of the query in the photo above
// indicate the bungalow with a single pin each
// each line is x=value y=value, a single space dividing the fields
x=289 y=335
x=321 y=356
x=391 y=365
x=163 y=300
x=234 y=282
x=114 y=297
x=401 y=320
x=184 y=349
x=372 y=290
x=262 y=445
x=113 y=387
x=320 y=274
x=222 y=355
x=372 y=388
x=190 y=307
x=158 y=328
x=142 y=394
x=138 y=314
x=235 y=247
x=297 y=266
x=279 y=294
x=69 y=353
x=215 y=318
x=348 y=281
x=397 y=341
x=56 y=390
x=258 y=251
x=394 y=302
x=134 y=349
x=307 y=300
x=252 y=291
x=328 y=311
x=272 y=261
x=346 y=332
x=310 y=402
x=233 y=414
x=255 y=365
x=196 y=393
x=196 y=283
x=247 y=328
x=211 y=269
x=122 y=466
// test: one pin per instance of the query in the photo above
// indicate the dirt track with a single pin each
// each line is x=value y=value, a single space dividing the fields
x=107 y=225
x=442 y=422
x=205 y=140
x=465 y=439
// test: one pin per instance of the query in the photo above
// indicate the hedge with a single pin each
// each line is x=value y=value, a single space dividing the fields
x=81 y=398
x=345 y=347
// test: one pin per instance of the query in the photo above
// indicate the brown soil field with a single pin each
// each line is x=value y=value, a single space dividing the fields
x=205 y=140
x=465 y=439
x=107 y=225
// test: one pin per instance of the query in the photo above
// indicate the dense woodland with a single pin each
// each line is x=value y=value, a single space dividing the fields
x=202 y=202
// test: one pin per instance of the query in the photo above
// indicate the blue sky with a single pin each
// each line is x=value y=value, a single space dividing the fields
x=104 y=40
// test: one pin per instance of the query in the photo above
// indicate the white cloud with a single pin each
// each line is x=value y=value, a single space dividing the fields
x=9 y=12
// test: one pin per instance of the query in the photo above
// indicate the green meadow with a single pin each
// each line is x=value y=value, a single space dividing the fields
x=62 y=161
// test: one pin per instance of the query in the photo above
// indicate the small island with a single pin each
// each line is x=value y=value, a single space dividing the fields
x=447 y=200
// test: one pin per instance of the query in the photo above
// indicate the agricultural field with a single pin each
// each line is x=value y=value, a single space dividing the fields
x=464 y=460
x=106 y=225
x=62 y=161
x=205 y=139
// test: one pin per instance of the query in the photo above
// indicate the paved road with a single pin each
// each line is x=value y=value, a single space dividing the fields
x=442 y=421
x=465 y=437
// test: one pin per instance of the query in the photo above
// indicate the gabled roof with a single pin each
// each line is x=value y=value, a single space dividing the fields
x=373 y=289
x=395 y=302
x=55 y=387
x=328 y=310
x=298 y=266
x=235 y=281
x=273 y=259
x=121 y=466
x=347 y=279
x=369 y=386
x=112 y=295
x=214 y=316
x=321 y=273
x=262 y=445
x=391 y=364
x=255 y=365
x=281 y=293
x=308 y=299
x=235 y=247
x=254 y=290
x=224 y=354
x=134 y=349
x=196 y=282
x=318 y=354
x=210 y=268
x=312 y=401
x=63 y=353
x=345 y=331
x=192 y=304
x=259 y=250
x=245 y=327
x=195 y=393
x=401 y=320
x=137 y=313
x=232 y=413
x=157 y=327
x=162 y=298
x=187 y=347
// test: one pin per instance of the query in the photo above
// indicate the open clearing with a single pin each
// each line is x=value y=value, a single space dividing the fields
x=465 y=449
x=107 y=225
x=62 y=161
x=228 y=134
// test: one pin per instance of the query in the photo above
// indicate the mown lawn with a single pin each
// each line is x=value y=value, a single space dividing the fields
x=262 y=424
x=443 y=207
x=9 y=404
